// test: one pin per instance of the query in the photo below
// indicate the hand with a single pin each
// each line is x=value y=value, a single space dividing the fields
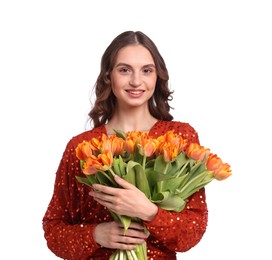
x=111 y=235
x=128 y=200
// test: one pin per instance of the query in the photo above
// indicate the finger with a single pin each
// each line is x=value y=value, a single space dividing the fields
x=123 y=183
x=102 y=197
x=136 y=233
x=104 y=203
x=105 y=189
x=130 y=240
x=136 y=225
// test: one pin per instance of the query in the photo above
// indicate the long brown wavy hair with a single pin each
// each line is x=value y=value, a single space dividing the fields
x=105 y=102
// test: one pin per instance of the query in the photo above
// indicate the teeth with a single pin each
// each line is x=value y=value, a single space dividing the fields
x=135 y=92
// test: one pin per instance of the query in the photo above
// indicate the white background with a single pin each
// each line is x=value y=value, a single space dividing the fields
x=219 y=58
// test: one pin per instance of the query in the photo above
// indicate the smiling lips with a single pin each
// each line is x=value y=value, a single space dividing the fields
x=135 y=92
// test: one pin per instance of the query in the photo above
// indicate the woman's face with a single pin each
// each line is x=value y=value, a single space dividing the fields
x=134 y=76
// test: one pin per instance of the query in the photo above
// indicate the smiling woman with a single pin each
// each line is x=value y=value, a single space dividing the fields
x=132 y=94
x=133 y=82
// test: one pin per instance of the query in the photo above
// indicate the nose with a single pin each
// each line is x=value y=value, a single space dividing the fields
x=135 y=80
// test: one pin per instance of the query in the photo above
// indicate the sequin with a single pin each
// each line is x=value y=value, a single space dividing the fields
x=72 y=214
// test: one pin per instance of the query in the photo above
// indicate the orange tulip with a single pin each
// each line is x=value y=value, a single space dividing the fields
x=91 y=165
x=106 y=160
x=147 y=145
x=182 y=144
x=197 y=152
x=95 y=143
x=135 y=135
x=213 y=162
x=129 y=145
x=102 y=162
x=105 y=144
x=168 y=137
x=223 y=172
x=117 y=145
x=168 y=150
x=84 y=150
x=220 y=170
x=148 y=148
x=130 y=141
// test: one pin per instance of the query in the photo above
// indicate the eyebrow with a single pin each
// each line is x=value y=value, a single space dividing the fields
x=127 y=65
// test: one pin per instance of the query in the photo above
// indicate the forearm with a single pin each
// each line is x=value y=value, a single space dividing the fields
x=70 y=241
x=149 y=212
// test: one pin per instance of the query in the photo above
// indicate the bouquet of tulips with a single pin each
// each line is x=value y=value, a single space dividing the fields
x=166 y=169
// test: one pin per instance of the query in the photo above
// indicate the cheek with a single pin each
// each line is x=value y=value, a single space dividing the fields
x=152 y=85
x=112 y=84
x=115 y=87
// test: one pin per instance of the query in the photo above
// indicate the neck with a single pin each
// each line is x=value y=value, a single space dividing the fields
x=132 y=120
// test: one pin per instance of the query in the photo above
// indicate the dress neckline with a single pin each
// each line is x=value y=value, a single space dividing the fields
x=104 y=130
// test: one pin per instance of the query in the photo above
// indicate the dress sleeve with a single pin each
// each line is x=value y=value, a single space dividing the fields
x=64 y=229
x=180 y=231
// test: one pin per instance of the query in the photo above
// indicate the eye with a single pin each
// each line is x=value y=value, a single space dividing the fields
x=147 y=70
x=124 y=70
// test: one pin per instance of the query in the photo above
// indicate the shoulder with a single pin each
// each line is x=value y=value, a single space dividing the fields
x=182 y=128
x=87 y=135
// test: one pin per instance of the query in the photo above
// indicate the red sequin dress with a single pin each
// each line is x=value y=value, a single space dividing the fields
x=72 y=214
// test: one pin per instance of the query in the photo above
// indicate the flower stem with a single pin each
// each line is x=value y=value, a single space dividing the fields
x=112 y=172
x=144 y=162
x=160 y=183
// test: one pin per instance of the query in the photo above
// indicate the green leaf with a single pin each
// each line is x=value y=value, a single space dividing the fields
x=161 y=165
x=141 y=252
x=125 y=220
x=194 y=168
x=191 y=185
x=81 y=163
x=172 y=184
x=150 y=163
x=84 y=181
x=122 y=166
x=205 y=181
x=169 y=201
x=120 y=133
x=198 y=187
x=141 y=181
x=184 y=169
x=119 y=166
x=105 y=179
x=137 y=156
x=151 y=177
x=178 y=163
x=130 y=175
x=197 y=168
x=91 y=178
x=115 y=166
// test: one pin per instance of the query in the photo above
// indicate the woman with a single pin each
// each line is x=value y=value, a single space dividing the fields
x=132 y=93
